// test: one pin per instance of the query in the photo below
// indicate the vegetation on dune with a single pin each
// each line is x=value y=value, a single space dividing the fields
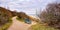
x=6 y=25
x=22 y=15
x=51 y=15
x=20 y=19
x=5 y=20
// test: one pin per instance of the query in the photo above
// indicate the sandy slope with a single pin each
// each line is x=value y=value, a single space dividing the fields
x=17 y=25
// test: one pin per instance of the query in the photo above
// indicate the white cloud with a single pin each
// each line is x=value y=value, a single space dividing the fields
x=25 y=5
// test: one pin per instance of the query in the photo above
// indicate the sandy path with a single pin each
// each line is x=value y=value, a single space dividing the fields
x=17 y=25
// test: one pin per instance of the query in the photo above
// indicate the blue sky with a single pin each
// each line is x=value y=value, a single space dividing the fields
x=27 y=6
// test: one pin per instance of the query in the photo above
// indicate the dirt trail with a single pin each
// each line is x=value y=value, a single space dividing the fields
x=17 y=25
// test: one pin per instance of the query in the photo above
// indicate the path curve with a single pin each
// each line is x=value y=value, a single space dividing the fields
x=17 y=25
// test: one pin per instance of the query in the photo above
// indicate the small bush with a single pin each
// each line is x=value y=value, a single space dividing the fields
x=6 y=25
x=20 y=19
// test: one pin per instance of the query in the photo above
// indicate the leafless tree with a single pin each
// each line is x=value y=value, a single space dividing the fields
x=51 y=15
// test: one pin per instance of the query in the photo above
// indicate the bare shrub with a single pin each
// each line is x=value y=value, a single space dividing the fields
x=51 y=15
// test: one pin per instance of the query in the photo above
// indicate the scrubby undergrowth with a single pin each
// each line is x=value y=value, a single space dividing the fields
x=6 y=25
x=20 y=19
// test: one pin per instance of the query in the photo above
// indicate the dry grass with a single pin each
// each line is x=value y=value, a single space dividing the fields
x=41 y=27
